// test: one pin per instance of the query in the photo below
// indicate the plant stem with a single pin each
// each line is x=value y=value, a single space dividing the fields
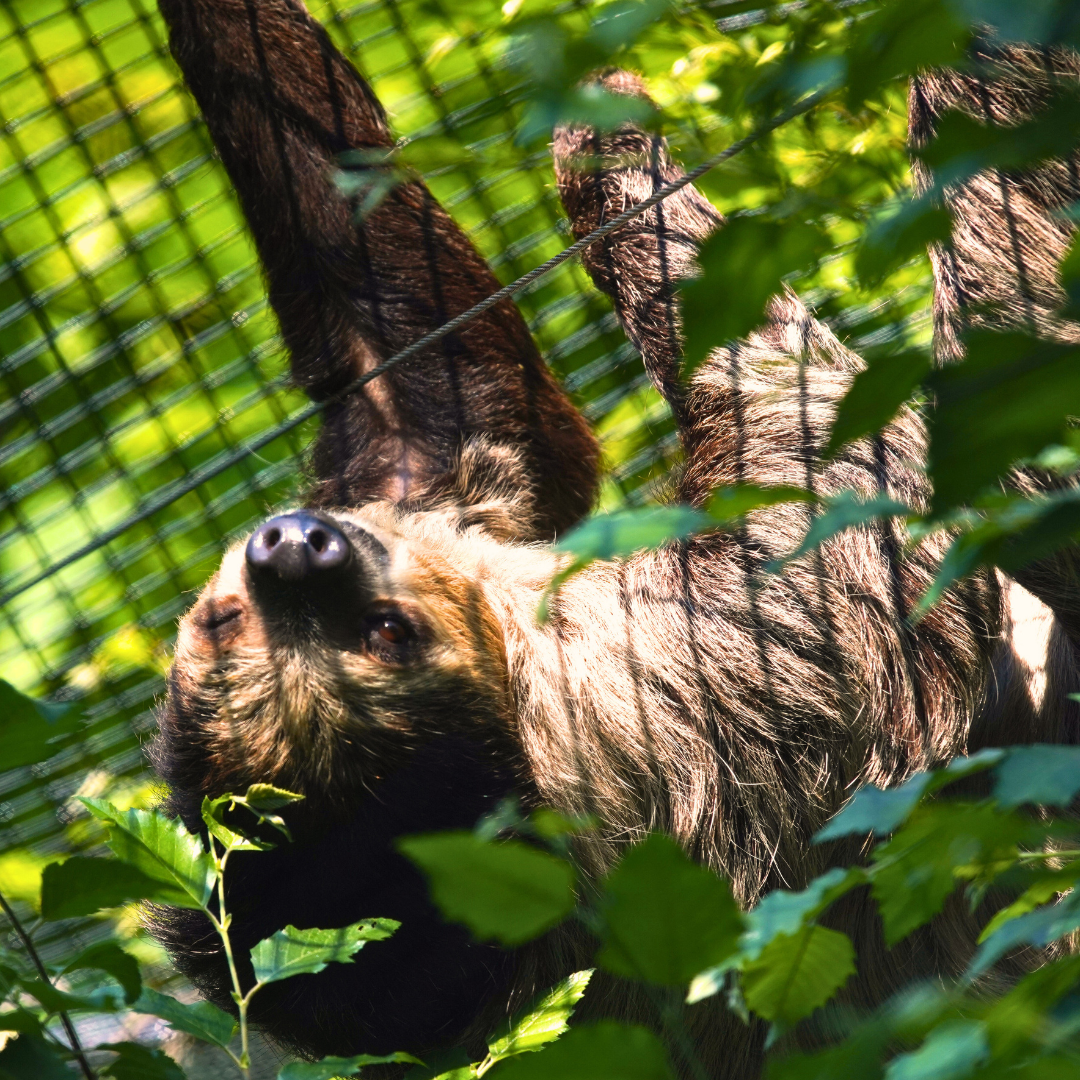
x=69 y=1027
x=221 y=925
x=1049 y=854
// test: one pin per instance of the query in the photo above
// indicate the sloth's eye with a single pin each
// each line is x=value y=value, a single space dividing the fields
x=393 y=630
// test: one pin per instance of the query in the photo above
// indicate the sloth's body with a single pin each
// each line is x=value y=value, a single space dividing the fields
x=682 y=690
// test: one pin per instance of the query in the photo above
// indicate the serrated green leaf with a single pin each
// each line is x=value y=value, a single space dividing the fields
x=873 y=810
x=213 y=815
x=304 y=952
x=107 y=956
x=952 y=1050
x=30 y=1057
x=917 y=869
x=604 y=1049
x=1038 y=774
x=508 y=891
x=664 y=916
x=29 y=727
x=1047 y=885
x=201 y=1019
x=1038 y=928
x=622 y=533
x=83 y=885
x=266 y=797
x=844 y=511
x=330 y=1067
x=543 y=1023
x=796 y=974
x=135 y=1062
x=876 y=395
x=743 y=266
x=162 y=849
x=105 y=999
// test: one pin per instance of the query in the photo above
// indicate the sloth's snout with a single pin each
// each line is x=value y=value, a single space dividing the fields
x=299 y=546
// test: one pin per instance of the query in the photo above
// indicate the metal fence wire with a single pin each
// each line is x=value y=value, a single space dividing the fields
x=138 y=354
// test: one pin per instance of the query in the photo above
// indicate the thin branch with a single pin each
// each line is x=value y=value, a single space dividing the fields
x=69 y=1027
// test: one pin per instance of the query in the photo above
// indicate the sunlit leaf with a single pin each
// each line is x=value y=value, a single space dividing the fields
x=604 y=1049
x=1046 y=887
x=543 y=1023
x=873 y=810
x=731 y=503
x=83 y=885
x=876 y=395
x=954 y=1049
x=1038 y=928
x=107 y=956
x=29 y=727
x=291 y=951
x=664 y=916
x=508 y=891
x=844 y=511
x=201 y=1019
x=1038 y=774
x=796 y=974
x=161 y=848
x=329 y=1068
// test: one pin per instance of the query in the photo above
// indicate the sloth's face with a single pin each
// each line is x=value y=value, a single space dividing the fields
x=329 y=644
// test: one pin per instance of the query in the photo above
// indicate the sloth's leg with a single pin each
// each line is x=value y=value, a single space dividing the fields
x=1000 y=268
x=599 y=176
x=281 y=103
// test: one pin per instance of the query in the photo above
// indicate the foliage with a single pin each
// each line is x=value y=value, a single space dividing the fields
x=823 y=207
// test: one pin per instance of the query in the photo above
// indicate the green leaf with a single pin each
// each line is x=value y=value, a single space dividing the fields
x=872 y=810
x=304 y=952
x=859 y=1057
x=30 y=1057
x=797 y=973
x=201 y=1019
x=28 y=727
x=742 y=267
x=508 y=891
x=1038 y=774
x=963 y=146
x=876 y=395
x=265 y=797
x=260 y=800
x=952 y=1050
x=543 y=1023
x=845 y=511
x=107 y=956
x=104 y=999
x=622 y=533
x=732 y=503
x=1038 y=928
x=900 y=231
x=899 y=39
x=592 y=1051
x=1046 y=886
x=83 y=885
x=664 y=916
x=916 y=870
x=1009 y=399
x=213 y=814
x=135 y=1062
x=162 y=849
x=330 y=1067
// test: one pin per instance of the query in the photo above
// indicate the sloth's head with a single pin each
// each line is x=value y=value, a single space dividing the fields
x=330 y=643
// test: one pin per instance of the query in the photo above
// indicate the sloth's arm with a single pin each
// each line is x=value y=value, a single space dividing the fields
x=281 y=103
x=599 y=176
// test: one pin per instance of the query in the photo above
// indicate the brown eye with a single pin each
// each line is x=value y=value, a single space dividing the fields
x=394 y=631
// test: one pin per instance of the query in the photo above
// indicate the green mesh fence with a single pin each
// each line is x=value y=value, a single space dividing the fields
x=139 y=357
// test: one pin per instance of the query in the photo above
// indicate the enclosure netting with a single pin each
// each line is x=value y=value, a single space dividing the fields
x=139 y=356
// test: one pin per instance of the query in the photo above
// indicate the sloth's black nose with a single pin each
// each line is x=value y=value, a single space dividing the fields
x=297 y=546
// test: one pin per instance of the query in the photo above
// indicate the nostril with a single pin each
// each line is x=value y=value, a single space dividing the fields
x=271 y=537
x=317 y=539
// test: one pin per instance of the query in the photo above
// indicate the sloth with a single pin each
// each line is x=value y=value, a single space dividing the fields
x=377 y=648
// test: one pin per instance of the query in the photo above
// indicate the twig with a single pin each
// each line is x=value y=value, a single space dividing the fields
x=69 y=1027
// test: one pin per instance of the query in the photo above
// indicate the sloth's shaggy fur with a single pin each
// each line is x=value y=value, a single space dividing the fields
x=681 y=690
